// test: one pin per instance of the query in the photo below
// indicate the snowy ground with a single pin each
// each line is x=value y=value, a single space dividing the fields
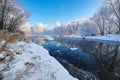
x=31 y=62
x=108 y=37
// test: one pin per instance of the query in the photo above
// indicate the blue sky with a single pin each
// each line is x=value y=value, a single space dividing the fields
x=51 y=11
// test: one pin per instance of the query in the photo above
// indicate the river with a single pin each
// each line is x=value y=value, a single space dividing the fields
x=81 y=57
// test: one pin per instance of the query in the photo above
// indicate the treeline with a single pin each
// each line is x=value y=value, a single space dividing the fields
x=106 y=20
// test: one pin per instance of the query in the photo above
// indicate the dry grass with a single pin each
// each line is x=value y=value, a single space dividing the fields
x=2 y=48
x=25 y=72
x=27 y=39
x=3 y=34
x=8 y=38
x=41 y=41
x=12 y=37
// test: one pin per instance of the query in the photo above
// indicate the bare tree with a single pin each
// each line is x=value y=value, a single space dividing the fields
x=12 y=16
x=115 y=7
x=100 y=18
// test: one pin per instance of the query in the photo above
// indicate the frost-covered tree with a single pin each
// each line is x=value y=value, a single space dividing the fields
x=39 y=27
x=100 y=18
x=87 y=28
x=12 y=16
x=114 y=5
x=79 y=27
x=107 y=18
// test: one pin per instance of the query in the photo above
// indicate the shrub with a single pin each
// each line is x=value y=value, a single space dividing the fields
x=12 y=37
x=8 y=38
x=3 y=34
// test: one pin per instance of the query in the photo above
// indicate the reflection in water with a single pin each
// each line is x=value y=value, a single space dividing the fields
x=76 y=57
x=73 y=60
x=107 y=56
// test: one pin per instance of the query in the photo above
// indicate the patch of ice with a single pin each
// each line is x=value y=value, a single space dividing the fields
x=73 y=48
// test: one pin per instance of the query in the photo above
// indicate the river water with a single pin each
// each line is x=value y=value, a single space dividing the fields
x=99 y=58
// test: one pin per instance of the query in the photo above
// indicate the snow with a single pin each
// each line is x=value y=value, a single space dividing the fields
x=75 y=36
x=32 y=62
x=107 y=37
x=73 y=48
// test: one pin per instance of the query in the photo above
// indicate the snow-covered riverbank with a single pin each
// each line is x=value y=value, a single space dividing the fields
x=107 y=37
x=31 y=62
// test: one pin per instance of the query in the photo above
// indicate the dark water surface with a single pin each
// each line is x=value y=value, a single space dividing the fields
x=100 y=58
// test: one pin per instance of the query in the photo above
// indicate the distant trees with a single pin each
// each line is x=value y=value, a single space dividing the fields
x=12 y=16
x=84 y=27
x=106 y=20
x=87 y=27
